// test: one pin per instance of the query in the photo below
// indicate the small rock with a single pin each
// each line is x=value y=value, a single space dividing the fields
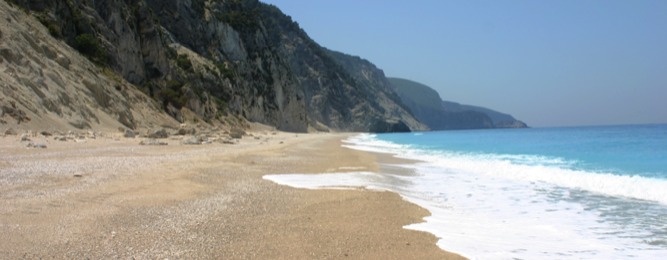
x=191 y=141
x=63 y=61
x=10 y=131
x=25 y=138
x=129 y=133
x=186 y=131
x=152 y=142
x=61 y=138
x=181 y=131
x=162 y=133
x=46 y=133
x=78 y=175
x=227 y=141
x=237 y=133
x=36 y=145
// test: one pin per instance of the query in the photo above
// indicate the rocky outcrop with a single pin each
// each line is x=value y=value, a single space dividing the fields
x=221 y=62
x=386 y=107
x=46 y=84
x=427 y=106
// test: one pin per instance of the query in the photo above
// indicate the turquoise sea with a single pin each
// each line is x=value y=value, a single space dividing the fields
x=541 y=193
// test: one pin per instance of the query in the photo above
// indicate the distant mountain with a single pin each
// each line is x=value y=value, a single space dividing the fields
x=427 y=106
x=500 y=120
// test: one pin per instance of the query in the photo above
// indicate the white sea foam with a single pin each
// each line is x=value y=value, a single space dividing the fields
x=495 y=207
x=352 y=180
x=526 y=168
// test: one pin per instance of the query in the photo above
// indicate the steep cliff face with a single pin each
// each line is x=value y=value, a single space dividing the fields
x=428 y=107
x=280 y=66
x=246 y=40
x=222 y=59
x=370 y=81
x=45 y=84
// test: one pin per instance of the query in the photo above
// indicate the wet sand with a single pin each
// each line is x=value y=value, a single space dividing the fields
x=112 y=198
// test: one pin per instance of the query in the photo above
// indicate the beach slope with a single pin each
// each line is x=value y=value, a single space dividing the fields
x=110 y=197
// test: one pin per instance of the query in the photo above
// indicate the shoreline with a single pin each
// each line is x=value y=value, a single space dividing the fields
x=113 y=198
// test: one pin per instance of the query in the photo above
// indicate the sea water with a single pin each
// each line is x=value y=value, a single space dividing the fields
x=544 y=193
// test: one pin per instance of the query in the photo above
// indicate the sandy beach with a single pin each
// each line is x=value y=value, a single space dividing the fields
x=110 y=197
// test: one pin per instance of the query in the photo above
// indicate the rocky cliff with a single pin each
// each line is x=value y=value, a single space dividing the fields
x=46 y=84
x=215 y=61
x=384 y=100
x=428 y=107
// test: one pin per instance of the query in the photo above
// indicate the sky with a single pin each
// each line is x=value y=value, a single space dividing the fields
x=548 y=63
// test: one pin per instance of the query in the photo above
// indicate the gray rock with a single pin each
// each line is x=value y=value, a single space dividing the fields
x=25 y=138
x=186 y=131
x=181 y=131
x=10 y=131
x=237 y=133
x=36 y=145
x=191 y=141
x=63 y=61
x=152 y=142
x=159 y=134
x=129 y=133
x=227 y=141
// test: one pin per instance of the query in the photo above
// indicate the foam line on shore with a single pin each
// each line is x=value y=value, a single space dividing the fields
x=492 y=214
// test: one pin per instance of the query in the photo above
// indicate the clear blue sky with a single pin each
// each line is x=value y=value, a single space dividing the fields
x=549 y=63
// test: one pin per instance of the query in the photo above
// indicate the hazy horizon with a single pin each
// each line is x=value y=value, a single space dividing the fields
x=561 y=63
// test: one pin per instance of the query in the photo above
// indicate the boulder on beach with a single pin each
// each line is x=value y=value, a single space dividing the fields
x=192 y=141
x=185 y=130
x=237 y=133
x=152 y=142
x=159 y=134
x=10 y=131
x=25 y=138
x=129 y=133
x=36 y=145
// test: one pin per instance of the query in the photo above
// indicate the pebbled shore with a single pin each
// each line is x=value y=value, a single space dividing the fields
x=112 y=198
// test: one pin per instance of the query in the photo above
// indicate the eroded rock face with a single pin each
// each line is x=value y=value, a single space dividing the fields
x=46 y=84
x=218 y=60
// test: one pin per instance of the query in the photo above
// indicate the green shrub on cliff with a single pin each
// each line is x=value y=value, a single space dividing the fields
x=90 y=46
x=173 y=94
x=184 y=62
